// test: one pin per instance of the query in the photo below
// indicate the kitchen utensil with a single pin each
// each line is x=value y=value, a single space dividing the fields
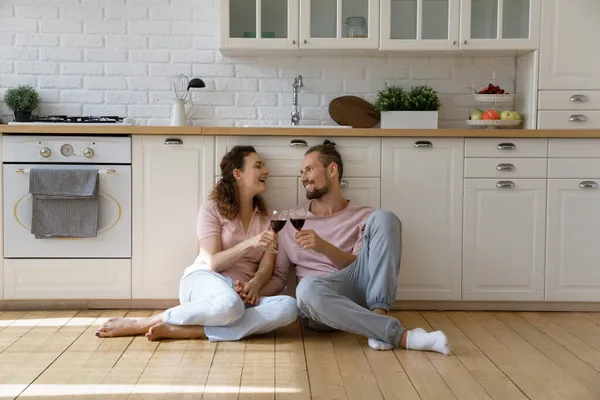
x=180 y=86
x=353 y=111
x=179 y=114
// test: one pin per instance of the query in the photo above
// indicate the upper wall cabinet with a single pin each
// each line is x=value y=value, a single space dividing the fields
x=500 y=24
x=420 y=24
x=299 y=24
x=570 y=33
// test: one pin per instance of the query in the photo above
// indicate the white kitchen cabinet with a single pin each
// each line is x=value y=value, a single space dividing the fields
x=572 y=251
x=299 y=24
x=360 y=191
x=1 y=230
x=503 y=243
x=420 y=24
x=172 y=177
x=422 y=183
x=282 y=192
x=569 y=56
x=500 y=24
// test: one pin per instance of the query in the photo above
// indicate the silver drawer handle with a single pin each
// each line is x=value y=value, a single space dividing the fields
x=577 y=118
x=298 y=143
x=588 y=185
x=505 y=185
x=173 y=141
x=507 y=146
x=505 y=167
x=423 y=144
x=579 y=98
x=344 y=183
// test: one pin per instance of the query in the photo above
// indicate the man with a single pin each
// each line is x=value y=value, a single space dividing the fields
x=348 y=260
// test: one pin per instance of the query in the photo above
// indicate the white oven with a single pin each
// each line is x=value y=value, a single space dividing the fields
x=111 y=156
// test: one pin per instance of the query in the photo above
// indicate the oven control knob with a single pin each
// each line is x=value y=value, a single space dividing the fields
x=88 y=153
x=45 y=152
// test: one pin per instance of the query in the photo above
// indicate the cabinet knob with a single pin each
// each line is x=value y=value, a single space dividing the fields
x=505 y=184
x=507 y=146
x=423 y=144
x=579 y=98
x=505 y=167
x=304 y=41
x=173 y=141
x=344 y=183
x=464 y=42
x=298 y=143
x=293 y=42
x=588 y=185
x=577 y=118
x=454 y=43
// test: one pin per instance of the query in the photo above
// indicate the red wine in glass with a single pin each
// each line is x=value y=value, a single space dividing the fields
x=298 y=223
x=277 y=224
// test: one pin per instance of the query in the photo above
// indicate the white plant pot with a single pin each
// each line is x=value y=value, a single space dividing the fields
x=409 y=120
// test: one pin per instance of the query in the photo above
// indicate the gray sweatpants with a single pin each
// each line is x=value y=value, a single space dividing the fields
x=344 y=300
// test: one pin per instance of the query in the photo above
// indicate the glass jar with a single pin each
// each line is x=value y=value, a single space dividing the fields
x=356 y=27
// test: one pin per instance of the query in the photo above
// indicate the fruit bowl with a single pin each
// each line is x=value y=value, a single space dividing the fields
x=494 y=123
x=494 y=98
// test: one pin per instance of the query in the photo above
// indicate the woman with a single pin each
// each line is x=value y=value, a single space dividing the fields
x=220 y=293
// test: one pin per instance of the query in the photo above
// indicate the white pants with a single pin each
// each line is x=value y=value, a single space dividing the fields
x=208 y=299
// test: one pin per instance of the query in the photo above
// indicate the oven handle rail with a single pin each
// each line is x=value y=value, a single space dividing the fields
x=100 y=171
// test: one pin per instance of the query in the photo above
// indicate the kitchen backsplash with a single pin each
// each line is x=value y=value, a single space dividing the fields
x=118 y=57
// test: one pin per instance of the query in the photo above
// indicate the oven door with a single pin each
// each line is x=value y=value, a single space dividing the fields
x=114 y=223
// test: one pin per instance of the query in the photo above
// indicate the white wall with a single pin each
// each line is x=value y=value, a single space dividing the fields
x=117 y=57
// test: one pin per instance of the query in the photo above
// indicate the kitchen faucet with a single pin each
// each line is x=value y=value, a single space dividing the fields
x=296 y=115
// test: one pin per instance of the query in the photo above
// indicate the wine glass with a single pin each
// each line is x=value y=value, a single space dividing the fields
x=278 y=220
x=297 y=217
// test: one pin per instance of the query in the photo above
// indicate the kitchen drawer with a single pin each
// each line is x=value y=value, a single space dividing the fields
x=284 y=155
x=569 y=100
x=576 y=168
x=575 y=119
x=505 y=168
x=574 y=148
x=498 y=147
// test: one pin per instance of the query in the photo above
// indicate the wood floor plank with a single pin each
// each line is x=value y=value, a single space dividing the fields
x=519 y=370
x=391 y=377
x=193 y=370
x=258 y=373
x=33 y=352
x=7 y=318
x=20 y=327
x=420 y=370
x=359 y=380
x=291 y=373
x=593 y=316
x=569 y=363
x=225 y=375
x=324 y=373
x=579 y=326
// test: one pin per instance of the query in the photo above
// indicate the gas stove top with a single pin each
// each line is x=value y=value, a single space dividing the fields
x=67 y=120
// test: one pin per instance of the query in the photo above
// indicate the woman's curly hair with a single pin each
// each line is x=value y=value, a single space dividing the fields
x=225 y=193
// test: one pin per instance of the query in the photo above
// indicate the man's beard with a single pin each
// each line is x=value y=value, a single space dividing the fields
x=317 y=193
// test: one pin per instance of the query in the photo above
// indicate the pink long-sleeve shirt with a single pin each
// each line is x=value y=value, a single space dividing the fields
x=344 y=230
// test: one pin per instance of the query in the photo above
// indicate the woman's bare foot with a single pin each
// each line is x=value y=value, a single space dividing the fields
x=127 y=326
x=166 y=331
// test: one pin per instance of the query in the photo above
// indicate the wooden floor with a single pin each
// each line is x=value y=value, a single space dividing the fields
x=54 y=354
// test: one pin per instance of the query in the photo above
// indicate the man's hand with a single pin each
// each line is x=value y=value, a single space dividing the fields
x=309 y=239
x=248 y=291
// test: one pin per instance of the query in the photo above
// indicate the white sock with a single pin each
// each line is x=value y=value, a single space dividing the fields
x=431 y=341
x=380 y=345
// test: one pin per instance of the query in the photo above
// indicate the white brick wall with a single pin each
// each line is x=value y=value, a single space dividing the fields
x=118 y=56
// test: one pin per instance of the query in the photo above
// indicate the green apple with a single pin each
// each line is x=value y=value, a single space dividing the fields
x=506 y=115
x=516 y=116
x=476 y=114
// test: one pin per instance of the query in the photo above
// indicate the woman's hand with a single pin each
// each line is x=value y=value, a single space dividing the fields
x=248 y=291
x=264 y=240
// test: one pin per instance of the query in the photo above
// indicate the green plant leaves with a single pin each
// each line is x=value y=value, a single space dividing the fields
x=22 y=98
x=395 y=98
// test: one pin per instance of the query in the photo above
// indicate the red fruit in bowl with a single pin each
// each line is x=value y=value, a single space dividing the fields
x=490 y=114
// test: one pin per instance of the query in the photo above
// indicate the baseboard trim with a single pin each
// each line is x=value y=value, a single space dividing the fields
x=160 y=304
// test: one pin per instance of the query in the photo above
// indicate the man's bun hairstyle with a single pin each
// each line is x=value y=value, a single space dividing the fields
x=327 y=155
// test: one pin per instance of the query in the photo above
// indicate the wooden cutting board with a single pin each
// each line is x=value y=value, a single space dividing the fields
x=353 y=111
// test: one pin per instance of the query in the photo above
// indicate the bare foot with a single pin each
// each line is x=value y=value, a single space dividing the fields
x=166 y=331
x=127 y=326
x=379 y=311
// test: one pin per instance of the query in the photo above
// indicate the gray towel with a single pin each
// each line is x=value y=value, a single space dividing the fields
x=65 y=202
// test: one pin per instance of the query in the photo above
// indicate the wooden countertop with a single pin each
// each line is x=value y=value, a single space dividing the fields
x=285 y=131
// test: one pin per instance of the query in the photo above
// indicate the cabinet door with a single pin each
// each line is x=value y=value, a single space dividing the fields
x=570 y=31
x=572 y=270
x=504 y=231
x=419 y=24
x=361 y=191
x=1 y=230
x=500 y=24
x=281 y=194
x=422 y=183
x=339 y=24
x=172 y=178
x=277 y=20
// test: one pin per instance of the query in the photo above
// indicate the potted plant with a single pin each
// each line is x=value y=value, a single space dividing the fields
x=22 y=100
x=417 y=109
